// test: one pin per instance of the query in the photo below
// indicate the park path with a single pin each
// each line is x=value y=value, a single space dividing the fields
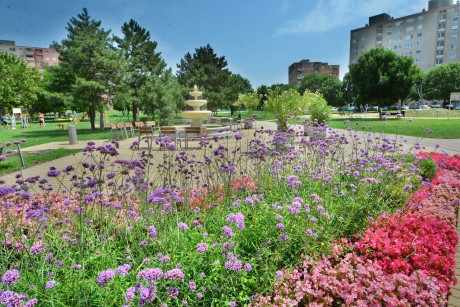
x=451 y=147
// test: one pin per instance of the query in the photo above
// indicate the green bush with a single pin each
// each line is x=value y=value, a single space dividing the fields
x=317 y=107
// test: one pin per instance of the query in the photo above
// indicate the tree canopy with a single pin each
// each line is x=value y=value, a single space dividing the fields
x=88 y=54
x=382 y=78
x=330 y=87
x=442 y=80
x=19 y=83
x=209 y=72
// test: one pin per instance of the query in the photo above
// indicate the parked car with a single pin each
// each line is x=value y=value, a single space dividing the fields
x=449 y=106
x=404 y=107
x=436 y=105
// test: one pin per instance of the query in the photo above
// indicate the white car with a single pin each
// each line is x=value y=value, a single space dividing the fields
x=436 y=105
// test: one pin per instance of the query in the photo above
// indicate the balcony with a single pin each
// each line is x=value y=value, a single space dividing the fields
x=439 y=56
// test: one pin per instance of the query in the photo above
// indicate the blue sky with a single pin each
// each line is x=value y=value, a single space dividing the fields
x=259 y=39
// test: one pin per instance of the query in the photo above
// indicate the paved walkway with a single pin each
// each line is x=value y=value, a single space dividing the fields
x=451 y=147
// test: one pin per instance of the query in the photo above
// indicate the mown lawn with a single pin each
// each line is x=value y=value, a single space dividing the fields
x=429 y=128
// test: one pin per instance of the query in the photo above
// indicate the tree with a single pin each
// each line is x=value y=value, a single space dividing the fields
x=237 y=85
x=442 y=80
x=209 y=72
x=286 y=103
x=88 y=54
x=382 y=78
x=143 y=64
x=349 y=92
x=248 y=100
x=19 y=83
x=328 y=86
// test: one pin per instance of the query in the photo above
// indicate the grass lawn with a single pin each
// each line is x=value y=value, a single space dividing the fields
x=36 y=135
x=13 y=162
x=442 y=128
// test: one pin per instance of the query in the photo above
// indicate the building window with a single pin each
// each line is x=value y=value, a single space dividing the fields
x=442 y=17
x=408 y=37
x=409 y=45
x=441 y=26
x=453 y=46
x=398 y=31
x=420 y=17
x=389 y=25
x=454 y=37
x=455 y=19
x=419 y=34
x=456 y=9
x=440 y=45
x=408 y=53
x=397 y=47
x=452 y=55
x=420 y=27
x=398 y=23
x=47 y=58
x=441 y=35
x=455 y=28
x=418 y=60
x=389 y=33
x=439 y=53
x=438 y=61
x=389 y=41
x=410 y=29
x=12 y=49
x=418 y=44
x=418 y=51
x=410 y=20
x=397 y=40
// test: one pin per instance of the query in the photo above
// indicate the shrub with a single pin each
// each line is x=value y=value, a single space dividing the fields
x=317 y=107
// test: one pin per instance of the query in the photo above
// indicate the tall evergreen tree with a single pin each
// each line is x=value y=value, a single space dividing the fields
x=88 y=53
x=143 y=66
x=209 y=72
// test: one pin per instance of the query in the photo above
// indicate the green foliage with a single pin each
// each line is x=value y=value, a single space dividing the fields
x=330 y=87
x=209 y=72
x=285 y=103
x=249 y=101
x=428 y=168
x=88 y=54
x=441 y=80
x=349 y=92
x=382 y=78
x=19 y=83
x=317 y=107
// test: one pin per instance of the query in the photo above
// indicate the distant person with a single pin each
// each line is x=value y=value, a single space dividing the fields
x=5 y=120
x=25 y=120
x=75 y=117
x=41 y=119
x=13 y=121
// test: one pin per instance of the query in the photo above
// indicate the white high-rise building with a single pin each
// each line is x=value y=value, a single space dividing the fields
x=430 y=37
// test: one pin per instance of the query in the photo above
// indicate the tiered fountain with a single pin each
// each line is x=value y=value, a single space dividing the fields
x=196 y=115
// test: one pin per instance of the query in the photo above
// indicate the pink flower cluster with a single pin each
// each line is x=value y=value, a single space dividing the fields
x=402 y=259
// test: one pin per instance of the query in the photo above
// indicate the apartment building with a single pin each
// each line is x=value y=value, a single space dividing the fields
x=298 y=70
x=430 y=36
x=34 y=56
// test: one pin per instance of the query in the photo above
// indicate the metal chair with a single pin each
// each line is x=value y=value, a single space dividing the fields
x=130 y=128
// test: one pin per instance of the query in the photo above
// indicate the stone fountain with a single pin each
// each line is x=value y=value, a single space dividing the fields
x=196 y=115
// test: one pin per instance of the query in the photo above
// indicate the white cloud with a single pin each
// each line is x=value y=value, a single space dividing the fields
x=327 y=15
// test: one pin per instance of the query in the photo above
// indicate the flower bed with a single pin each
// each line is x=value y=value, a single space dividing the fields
x=217 y=229
x=402 y=259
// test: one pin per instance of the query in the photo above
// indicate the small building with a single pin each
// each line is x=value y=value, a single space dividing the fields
x=34 y=56
x=298 y=70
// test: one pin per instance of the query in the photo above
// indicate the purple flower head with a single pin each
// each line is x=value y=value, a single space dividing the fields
x=50 y=284
x=105 y=276
x=6 y=190
x=173 y=292
x=150 y=275
x=10 y=277
x=237 y=218
x=182 y=225
x=36 y=249
x=123 y=270
x=279 y=274
x=175 y=274
x=228 y=231
x=202 y=247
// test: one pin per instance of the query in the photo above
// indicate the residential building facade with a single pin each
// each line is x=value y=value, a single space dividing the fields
x=34 y=56
x=430 y=37
x=298 y=70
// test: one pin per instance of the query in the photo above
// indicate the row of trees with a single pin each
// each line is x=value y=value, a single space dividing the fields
x=96 y=68
x=128 y=71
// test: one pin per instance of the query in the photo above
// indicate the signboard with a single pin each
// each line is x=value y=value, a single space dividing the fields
x=16 y=110
x=454 y=96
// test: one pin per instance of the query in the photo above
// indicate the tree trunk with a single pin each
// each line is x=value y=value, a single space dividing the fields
x=380 y=112
x=101 y=119
x=92 y=116
x=135 y=111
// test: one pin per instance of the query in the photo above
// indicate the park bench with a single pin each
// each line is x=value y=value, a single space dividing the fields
x=194 y=134
x=172 y=132
x=146 y=133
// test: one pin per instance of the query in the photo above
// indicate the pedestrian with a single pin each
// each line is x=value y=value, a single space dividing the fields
x=41 y=119
x=5 y=120
x=13 y=121
x=25 y=120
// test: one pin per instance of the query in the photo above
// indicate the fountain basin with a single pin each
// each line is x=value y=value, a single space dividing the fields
x=196 y=114
x=196 y=103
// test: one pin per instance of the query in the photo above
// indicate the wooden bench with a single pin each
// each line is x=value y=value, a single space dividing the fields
x=194 y=134
x=172 y=132
x=146 y=133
